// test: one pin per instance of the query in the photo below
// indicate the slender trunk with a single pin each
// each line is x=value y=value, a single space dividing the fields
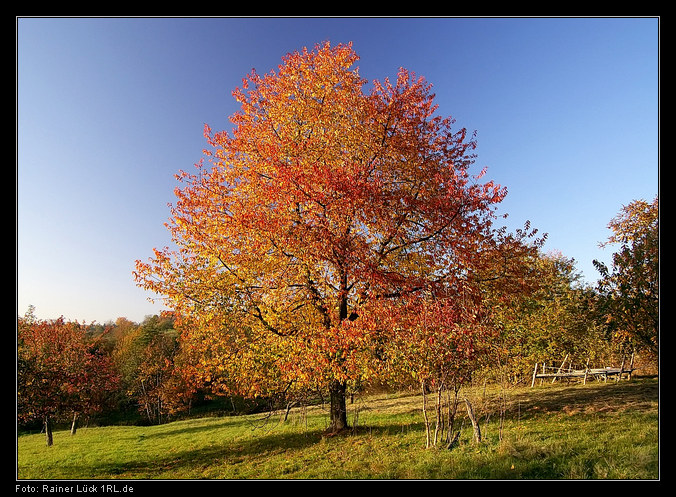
x=73 y=425
x=452 y=409
x=424 y=409
x=439 y=427
x=48 y=431
x=503 y=410
x=472 y=418
x=289 y=405
x=338 y=407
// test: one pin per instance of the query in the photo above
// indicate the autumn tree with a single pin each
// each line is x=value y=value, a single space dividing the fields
x=554 y=321
x=60 y=372
x=145 y=356
x=328 y=206
x=631 y=285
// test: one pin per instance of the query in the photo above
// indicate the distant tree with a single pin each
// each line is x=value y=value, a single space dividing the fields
x=145 y=356
x=631 y=286
x=60 y=372
x=107 y=334
x=155 y=370
x=554 y=321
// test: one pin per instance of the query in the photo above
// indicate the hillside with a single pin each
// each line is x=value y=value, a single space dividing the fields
x=600 y=430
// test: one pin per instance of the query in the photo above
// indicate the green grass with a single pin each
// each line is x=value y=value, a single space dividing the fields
x=594 y=431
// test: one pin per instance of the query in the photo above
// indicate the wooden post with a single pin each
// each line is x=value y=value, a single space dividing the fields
x=619 y=376
x=544 y=371
x=535 y=372
x=558 y=372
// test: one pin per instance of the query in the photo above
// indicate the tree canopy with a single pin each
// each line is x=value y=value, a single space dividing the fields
x=631 y=285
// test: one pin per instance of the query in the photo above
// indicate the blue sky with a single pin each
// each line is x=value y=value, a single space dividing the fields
x=109 y=109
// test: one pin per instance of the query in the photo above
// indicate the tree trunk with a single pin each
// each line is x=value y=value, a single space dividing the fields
x=472 y=418
x=452 y=409
x=289 y=405
x=73 y=425
x=439 y=427
x=338 y=407
x=424 y=410
x=48 y=431
x=337 y=388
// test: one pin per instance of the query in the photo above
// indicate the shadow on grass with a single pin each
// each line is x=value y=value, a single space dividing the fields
x=245 y=445
x=600 y=397
x=210 y=424
x=182 y=462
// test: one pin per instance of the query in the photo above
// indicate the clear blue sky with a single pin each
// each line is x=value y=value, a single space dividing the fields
x=108 y=109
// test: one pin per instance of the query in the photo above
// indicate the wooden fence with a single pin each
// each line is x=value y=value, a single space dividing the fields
x=542 y=371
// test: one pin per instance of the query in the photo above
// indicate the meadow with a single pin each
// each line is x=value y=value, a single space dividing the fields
x=553 y=431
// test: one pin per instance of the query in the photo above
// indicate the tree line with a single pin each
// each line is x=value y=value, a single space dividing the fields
x=152 y=372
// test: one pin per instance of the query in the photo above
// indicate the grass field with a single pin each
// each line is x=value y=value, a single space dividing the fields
x=594 y=431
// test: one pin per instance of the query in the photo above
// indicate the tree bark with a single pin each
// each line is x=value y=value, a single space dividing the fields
x=337 y=388
x=452 y=409
x=48 y=431
x=424 y=410
x=338 y=407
